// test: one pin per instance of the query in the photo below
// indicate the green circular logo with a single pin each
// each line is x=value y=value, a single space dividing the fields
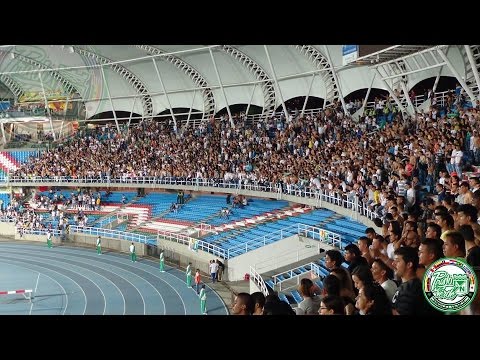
x=449 y=284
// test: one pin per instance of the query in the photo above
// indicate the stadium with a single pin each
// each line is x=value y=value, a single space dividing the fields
x=239 y=179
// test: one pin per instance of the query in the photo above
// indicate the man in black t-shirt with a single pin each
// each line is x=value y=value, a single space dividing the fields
x=409 y=298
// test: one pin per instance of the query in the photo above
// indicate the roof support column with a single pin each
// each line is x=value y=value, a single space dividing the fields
x=368 y=93
x=46 y=105
x=405 y=92
x=308 y=94
x=335 y=78
x=437 y=79
x=3 y=133
x=190 y=111
x=65 y=109
x=276 y=82
x=61 y=129
x=110 y=98
x=165 y=92
x=131 y=113
x=251 y=98
x=473 y=65
x=221 y=88
x=457 y=75
x=392 y=94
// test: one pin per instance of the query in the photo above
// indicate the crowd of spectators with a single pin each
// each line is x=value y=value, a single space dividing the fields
x=410 y=171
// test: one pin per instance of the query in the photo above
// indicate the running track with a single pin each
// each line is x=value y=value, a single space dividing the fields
x=77 y=281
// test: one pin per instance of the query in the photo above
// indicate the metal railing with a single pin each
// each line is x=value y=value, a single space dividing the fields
x=114 y=234
x=295 y=274
x=346 y=200
x=192 y=243
x=321 y=235
x=258 y=280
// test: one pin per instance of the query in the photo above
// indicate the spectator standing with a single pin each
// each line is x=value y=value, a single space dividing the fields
x=99 y=245
x=162 y=262
x=213 y=270
x=188 y=273
x=198 y=280
x=49 y=239
x=221 y=269
x=133 y=255
x=203 y=300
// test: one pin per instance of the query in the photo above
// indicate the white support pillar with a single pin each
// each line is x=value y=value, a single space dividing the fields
x=190 y=111
x=251 y=98
x=276 y=82
x=165 y=92
x=405 y=92
x=131 y=113
x=473 y=65
x=457 y=75
x=392 y=94
x=437 y=79
x=110 y=98
x=221 y=88
x=61 y=129
x=308 y=95
x=46 y=105
x=335 y=78
x=3 y=134
x=65 y=110
x=368 y=93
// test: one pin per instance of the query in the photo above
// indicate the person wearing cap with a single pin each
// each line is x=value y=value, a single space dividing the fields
x=99 y=245
x=133 y=255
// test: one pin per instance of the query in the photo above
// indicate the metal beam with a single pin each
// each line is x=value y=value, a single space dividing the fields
x=109 y=98
x=405 y=92
x=3 y=134
x=392 y=94
x=266 y=83
x=190 y=110
x=221 y=88
x=46 y=106
x=12 y=85
x=68 y=87
x=131 y=113
x=131 y=78
x=413 y=71
x=192 y=73
x=457 y=75
x=251 y=98
x=166 y=95
x=336 y=80
x=308 y=94
x=276 y=82
x=368 y=93
x=468 y=50
x=437 y=79
x=324 y=69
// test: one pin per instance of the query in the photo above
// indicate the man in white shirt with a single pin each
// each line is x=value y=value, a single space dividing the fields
x=382 y=274
x=213 y=270
x=456 y=160
x=133 y=255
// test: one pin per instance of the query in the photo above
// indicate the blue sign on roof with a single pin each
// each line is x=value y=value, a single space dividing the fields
x=348 y=49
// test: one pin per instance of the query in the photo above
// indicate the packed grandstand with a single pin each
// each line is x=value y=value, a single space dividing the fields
x=338 y=209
